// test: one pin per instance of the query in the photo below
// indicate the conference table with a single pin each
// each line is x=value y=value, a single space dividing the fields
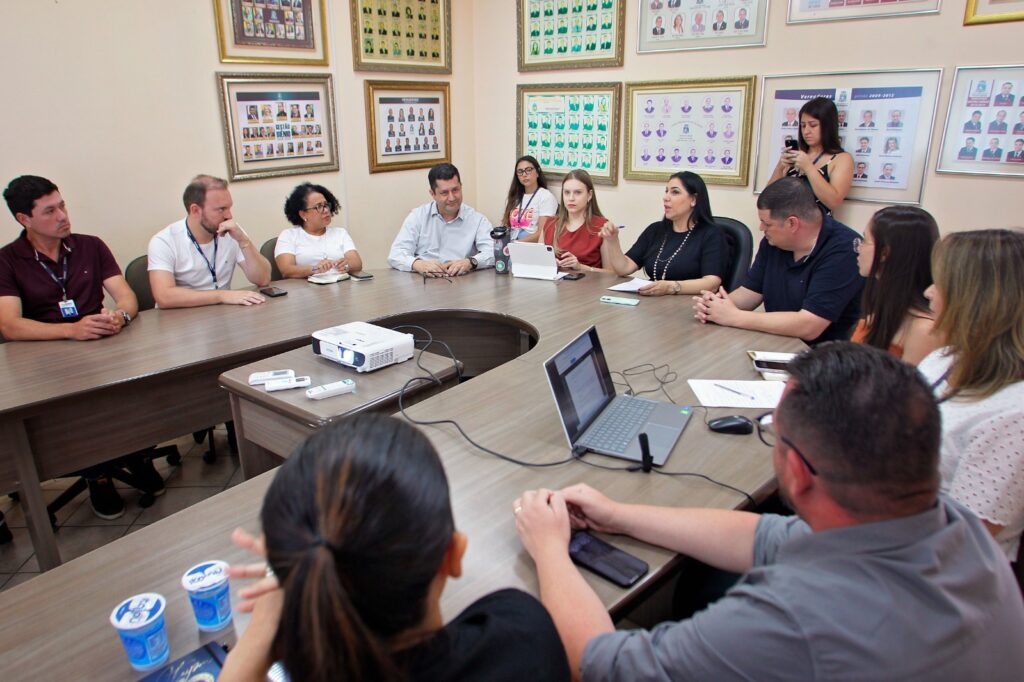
x=159 y=379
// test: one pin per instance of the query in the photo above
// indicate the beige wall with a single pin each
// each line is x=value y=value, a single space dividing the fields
x=120 y=114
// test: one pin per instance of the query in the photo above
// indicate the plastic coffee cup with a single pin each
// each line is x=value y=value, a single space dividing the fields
x=139 y=621
x=209 y=591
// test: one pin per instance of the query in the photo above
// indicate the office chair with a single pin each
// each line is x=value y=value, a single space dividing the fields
x=741 y=247
x=267 y=251
x=137 y=274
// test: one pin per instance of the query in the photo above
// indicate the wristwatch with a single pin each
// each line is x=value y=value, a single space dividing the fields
x=126 y=317
x=472 y=263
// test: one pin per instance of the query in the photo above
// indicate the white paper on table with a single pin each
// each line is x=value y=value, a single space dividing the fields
x=631 y=285
x=717 y=393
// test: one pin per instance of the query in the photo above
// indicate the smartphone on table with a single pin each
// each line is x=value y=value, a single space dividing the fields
x=273 y=292
x=360 y=276
x=607 y=561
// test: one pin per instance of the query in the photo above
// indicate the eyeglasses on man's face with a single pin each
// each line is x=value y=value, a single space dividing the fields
x=769 y=436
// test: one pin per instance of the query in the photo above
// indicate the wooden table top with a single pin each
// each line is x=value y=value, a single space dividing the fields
x=56 y=624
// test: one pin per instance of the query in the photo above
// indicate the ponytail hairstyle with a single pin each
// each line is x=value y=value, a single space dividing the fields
x=356 y=525
x=516 y=191
x=901 y=270
x=978 y=274
x=562 y=216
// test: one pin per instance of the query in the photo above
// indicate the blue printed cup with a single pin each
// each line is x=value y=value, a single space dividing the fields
x=139 y=621
x=209 y=591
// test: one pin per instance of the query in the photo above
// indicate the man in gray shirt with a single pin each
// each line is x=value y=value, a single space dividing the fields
x=444 y=237
x=877 y=578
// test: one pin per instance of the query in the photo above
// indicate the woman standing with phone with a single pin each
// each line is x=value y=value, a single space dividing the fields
x=818 y=157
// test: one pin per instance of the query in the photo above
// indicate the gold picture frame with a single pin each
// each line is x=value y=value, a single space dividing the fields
x=272 y=31
x=570 y=34
x=704 y=125
x=982 y=12
x=571 y=125
x=278 y=124
x=409 y=36
x=390 y=144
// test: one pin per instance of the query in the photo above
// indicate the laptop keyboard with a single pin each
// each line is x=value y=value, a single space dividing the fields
x=618 y=424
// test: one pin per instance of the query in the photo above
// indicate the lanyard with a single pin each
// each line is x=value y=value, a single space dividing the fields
x=523 y=208
x=211 y=268
x=64 y=275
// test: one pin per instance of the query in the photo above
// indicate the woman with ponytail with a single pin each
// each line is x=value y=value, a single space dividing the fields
x=359 y=534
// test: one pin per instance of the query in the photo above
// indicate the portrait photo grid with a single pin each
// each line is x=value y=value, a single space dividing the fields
x=280 y=125
x=567 y=131
x=272 y=23
x=560 y=29
x=681 y=21
x=686 y=131
x=989 y=118
x=407 y=31
x=877 y=126
x=410 y=125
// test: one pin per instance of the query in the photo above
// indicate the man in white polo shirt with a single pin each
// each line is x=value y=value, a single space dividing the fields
x=191 y=261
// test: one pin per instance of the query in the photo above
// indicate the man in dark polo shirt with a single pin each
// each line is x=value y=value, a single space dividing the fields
x=51 y=287
x=805 y=273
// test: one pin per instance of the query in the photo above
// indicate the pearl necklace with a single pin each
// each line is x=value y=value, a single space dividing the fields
x=657 y=258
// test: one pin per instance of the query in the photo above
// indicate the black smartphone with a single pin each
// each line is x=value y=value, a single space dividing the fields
x=360 y=276
x=770 y=365
x=273 y=292
x=792 y=144
x=574 y=275
x=608 y=562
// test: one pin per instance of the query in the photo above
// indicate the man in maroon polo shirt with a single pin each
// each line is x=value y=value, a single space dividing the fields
x=51 y=287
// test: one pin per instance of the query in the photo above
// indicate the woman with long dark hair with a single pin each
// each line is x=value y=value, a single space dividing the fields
x=895 y=258
x=684 y=252
x=575 y=230
x=528 y=200
x=978 y=300
x=820 y=159
x=359 y=532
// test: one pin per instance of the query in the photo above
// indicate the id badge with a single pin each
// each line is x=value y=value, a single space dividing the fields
x=68 y=309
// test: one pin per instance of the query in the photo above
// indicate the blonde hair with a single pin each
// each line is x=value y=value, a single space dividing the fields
x=980 y=278
x=562 y=215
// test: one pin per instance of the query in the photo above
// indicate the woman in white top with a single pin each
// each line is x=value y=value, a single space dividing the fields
x=528 y=198
x=312 y=246
x=978 y=300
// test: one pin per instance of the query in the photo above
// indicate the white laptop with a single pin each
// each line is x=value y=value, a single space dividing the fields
x=535 y=261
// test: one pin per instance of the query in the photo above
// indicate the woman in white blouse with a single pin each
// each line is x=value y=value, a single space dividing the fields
x=528 y=199
x=978 y=300
x=312 y=246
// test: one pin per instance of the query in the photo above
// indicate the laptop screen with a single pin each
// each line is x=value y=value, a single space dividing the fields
x=580 y=381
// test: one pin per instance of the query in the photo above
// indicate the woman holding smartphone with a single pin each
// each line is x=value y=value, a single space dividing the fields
x=529 y=200
x=895 y=258
x=684 y=252
x=978 y=377
x=575 y=230
x=818 y=157
x=359 y=532
x=312 y=246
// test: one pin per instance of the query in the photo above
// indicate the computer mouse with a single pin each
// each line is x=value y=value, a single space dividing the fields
x=734 y=423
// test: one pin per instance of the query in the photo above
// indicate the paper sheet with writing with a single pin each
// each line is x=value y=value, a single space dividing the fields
x=630 y=285
x=729 y=393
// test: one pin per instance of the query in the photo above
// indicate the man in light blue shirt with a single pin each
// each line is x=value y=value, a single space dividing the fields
x=444 y=237
x=877 y=577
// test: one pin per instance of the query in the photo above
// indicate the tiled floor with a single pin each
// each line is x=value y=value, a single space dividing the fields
x=80 y=531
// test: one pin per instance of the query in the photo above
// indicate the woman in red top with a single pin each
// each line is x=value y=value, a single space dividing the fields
x=575 y=230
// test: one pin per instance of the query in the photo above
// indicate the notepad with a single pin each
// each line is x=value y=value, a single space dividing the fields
x=728 y=393
x=631 y=285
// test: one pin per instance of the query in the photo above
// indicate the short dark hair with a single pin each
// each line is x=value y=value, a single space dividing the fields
x=197 y=188
x=296 y=201
x=22 y=192
x=870 y=425
x=789 y=196
x=442 y=171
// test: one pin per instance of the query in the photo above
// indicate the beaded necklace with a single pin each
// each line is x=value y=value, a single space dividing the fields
x=657 y=259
